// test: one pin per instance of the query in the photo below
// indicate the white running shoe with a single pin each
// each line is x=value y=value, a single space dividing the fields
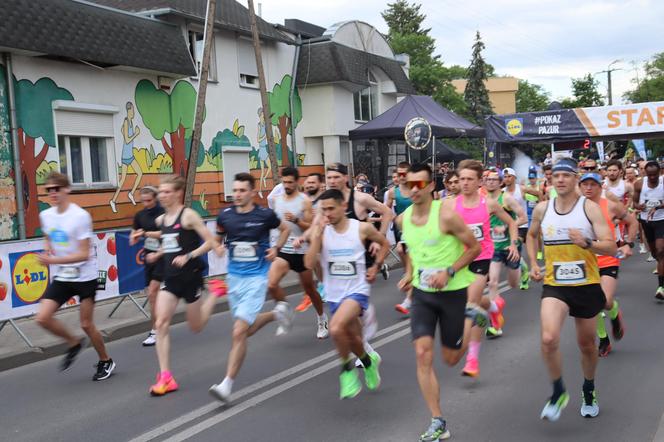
x=551 y=411
x=369 y=323
x=219 y=393
x=650 y=258
x=284 y=315
x=589 y=410
x=151 y=339
x=323 y=331
x=642 y=249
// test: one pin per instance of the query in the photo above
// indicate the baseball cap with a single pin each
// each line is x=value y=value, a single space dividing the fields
x=592 y=176
x=337 y=167
x=509 y=171
x=532 y=174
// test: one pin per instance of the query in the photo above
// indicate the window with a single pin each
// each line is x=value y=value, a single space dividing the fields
x=246 y=63
x=196 y=45
x=366 y=101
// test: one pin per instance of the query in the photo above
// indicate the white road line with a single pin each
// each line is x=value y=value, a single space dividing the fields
x=205 y=409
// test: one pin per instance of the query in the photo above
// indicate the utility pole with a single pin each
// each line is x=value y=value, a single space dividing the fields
x=208 y=34
x=608 y=79
x=267 y=118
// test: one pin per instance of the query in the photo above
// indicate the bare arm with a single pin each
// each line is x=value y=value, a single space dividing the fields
x=521 y=217
x=390 y=198
x=311 y=257
x=284 y=231
x=194 y=222
x=533 y=191
x=604 y=244
x=378 y=208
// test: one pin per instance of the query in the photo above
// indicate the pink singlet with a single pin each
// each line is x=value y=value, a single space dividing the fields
x=477 y=219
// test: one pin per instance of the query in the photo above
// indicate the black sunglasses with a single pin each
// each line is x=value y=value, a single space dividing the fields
x=53 y=189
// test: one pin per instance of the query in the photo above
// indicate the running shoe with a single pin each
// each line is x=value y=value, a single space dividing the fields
x=493 y=333
x=218 y=287
x=437 y=431
x=654 y=271
x=589 y=406
x=304 y=305
x=349 y=383
x=604 y=347
x=402 y=308
x=385 y=271
x=323 y=331
x=371 y=374
x=642 y=249
x=477 y=314
x=373 y=354
x=472 y=368
x=72 y=354
x=551 y=411
x=104 y=370
x=650 y=258
x=497 y=318
x=617 y=327
x=151 y=339
x=369 y=323
x=525 y=277
x=219 y=393
x=284 y=316
x=164 y=384
x=659 y=294
x=540 y=256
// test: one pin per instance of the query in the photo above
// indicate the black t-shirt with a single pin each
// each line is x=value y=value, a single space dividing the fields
x=146 y=218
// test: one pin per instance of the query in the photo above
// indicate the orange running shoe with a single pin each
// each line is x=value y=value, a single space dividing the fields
x=472 y=368
x=304 y=305
x=218 y=287
x=497 y=318
x=164 y=385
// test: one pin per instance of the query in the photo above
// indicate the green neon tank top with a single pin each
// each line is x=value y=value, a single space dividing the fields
x=431 y=251
x=501 y=240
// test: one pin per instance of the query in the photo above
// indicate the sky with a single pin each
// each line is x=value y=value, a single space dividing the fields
x=547 y=42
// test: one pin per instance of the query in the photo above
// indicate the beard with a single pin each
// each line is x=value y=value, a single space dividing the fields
x=311 y=192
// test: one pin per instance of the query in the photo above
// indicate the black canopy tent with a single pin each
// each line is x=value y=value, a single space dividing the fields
x=379 y=144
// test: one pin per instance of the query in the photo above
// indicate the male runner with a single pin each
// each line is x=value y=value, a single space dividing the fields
x=452 y=188
x=614 y=213
x=294 y=209
x=440 y=248
x=72 y=258
x=507 y=248
x=616 y=184
x=548 y=191
x=247 y=230
x=574 y=231
x=476 y=211
x=184 y=240
x=533 y=195
x=398 y=200
x=649 y=199
x=347 y=281
x=145 y=227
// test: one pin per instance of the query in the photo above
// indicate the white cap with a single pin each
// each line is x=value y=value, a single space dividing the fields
x=509 y=170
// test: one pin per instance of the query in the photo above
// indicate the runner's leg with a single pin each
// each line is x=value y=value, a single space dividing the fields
x=278 y=269
x=45 y=319
x=166 y=304
x=553 y=312
x=87 y=324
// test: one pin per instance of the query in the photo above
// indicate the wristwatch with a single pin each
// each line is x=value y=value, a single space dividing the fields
x=630 y=244
x=451 y=272
x=589 y=243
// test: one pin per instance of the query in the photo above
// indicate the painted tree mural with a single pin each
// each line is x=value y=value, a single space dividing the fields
x=169 y=117
x=34 y=115
x=279 y=100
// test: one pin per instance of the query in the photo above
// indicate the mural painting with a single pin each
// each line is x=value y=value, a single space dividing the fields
x=280 y=107
x=8 y=221
x=263 y=156
x=129 y=133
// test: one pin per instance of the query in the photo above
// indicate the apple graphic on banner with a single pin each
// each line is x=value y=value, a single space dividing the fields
x=3 y=291
x=101 y=235
x=112 y=273
x=110 y=245
x=0 y=263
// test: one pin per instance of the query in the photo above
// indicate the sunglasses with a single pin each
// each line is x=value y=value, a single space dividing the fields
x=420 y=184
x=53 y=189
x=402 y=173
x=589 y=168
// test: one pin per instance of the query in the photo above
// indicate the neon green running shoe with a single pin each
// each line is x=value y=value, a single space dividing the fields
x=525 y=276
x=552 y=411
x=371 y=374
x=349 y=383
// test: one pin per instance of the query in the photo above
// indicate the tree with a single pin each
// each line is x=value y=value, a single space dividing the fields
x=34 y=118
x=651 y=88
x=170 y=118
x=531 y=97
x=586 y=93
x=280 y=106
x=404 y=18
x=476 y=94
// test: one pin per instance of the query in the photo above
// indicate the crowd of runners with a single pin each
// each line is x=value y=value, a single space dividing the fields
x=568 y=226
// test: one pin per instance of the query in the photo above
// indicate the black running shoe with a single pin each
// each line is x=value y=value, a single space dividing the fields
x=604 y=347
x=617 y=328
x=385 y=270
x=104 y=370
x=71 y=354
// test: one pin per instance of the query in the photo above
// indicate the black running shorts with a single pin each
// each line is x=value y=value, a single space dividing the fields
x=61 y=291
x=154 y=272
x=584 y=301
x=653 y=230
x=609 y=271
x=480 y=267
x=445 y=309
x=294 y=260
x=185 y=286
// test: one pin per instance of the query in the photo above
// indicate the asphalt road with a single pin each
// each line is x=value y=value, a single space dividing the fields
x=288 y=388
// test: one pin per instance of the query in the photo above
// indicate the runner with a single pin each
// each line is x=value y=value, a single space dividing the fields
x=533 y=195
x=72 y=258
x=574 y=231
x=476 y=211
x=548 y=190
x=145 y=228
x=591 y=187
x=294 y=209
x=631 y=176
x=246 y=227
x=615 y=184
x=347 y=280
x=649 y=199
x=507 y=249
x=440 y=248
x=452 y=188
x=398 y=200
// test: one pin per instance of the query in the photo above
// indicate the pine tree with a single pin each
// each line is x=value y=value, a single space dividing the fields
x=476 y=94
x=404 y=18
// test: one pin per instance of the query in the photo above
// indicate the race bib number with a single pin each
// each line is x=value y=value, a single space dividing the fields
x=425 y=274
x=498 y=235
x=342 y=269
x=68 y=272
x=151 y=244
x=531 y=204
x=244 y=251
x=478 y=231
x=101 y=280
x=289 y=247
x=170 y=244
x=573 y=272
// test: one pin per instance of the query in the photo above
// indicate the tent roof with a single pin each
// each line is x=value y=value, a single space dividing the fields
x=390 y=124
x=445 y=152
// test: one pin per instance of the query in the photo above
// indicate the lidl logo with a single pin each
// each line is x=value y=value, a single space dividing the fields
x=514 y=126
x=29 y=278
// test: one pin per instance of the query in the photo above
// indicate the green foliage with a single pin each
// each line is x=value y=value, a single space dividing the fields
x=199 y=208
x=586 y=93
x=34 y=111
x=44 y=169
x=403 y=18
x=279 y=100
x=531 y=97
x=651 y=88
x=476 y=94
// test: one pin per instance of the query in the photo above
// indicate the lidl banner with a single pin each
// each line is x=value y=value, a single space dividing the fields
x=628 y=121
x=23 y=280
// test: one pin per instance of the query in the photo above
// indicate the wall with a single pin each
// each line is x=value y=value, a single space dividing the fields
x=502 y=93
x=8 y=221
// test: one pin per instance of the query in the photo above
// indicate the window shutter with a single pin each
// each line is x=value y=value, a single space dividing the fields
x=88 y=124
x=246 y=58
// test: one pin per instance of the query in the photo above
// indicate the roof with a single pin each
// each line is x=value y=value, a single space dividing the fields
x=329 y=62
x=391 y=123
x=305 y=29
x=74 y=30
x=229 y=14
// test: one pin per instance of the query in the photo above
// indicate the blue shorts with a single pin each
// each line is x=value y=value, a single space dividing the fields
x=246 y=296
x=363 y=300
x=501 y=256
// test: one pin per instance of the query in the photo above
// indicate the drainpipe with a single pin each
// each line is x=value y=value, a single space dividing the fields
x=296 y=60
x=18 y=181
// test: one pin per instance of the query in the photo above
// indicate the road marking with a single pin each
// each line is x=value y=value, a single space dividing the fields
x=205 y=409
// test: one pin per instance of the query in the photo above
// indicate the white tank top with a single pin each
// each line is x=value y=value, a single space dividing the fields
x=344 y=266
x=652 y=198
x=296 y=207
x=555 y=226
x=518 y=197
x=618 y=190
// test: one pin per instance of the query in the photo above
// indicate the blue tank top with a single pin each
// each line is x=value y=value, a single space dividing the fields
x=401 y=202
